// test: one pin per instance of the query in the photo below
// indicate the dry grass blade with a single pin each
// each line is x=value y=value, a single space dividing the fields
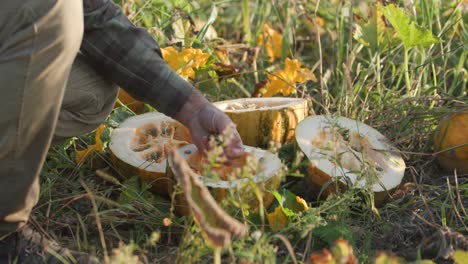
x=217 y=226
x=98 y=220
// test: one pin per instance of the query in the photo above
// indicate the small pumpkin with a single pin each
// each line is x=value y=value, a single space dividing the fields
x=349 y=151
x=265 y=176
x=141 y=144
x=451 y=142
x=261 y=120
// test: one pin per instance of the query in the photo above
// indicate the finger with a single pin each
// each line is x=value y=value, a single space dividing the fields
x=235 y=148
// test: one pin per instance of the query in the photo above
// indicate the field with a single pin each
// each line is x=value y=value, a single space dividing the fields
x=400 y=78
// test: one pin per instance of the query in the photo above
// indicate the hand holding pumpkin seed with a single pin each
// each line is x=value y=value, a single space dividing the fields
x=204 y=120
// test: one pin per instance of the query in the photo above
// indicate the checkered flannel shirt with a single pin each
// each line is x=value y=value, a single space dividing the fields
x=130 y=57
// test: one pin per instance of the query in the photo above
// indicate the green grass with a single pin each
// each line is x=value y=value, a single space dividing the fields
x=99 y=212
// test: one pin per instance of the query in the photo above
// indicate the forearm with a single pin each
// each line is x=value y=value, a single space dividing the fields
x=130 y=57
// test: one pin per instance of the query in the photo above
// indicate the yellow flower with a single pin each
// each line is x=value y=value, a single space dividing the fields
x=185 y=61
x=82 y=155
x=273 y=42
x=301 y=202
x=284 y=81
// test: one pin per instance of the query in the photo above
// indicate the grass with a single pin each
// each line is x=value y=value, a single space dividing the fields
x=400 y=92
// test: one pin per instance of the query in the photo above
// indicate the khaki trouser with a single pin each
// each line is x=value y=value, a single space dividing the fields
x=46 y=91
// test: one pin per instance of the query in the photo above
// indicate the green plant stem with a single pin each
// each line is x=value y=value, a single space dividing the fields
x=406 y=69
x=246 y=21
x=377 y=72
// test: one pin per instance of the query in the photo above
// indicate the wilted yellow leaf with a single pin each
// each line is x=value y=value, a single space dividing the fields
x=284 y=81
x=82 y=155
x=277 y=219
x=272 y=40
x=183 y=62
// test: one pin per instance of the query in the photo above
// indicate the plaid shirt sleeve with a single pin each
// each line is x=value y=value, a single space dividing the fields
x=130 y=57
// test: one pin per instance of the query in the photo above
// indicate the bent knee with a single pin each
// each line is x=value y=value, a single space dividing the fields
x=89 y=99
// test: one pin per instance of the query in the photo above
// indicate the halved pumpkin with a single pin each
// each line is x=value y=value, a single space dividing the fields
x=261 y=120
x=141 y=144
x=451 y=140
x=263 y=170
x=351 y=152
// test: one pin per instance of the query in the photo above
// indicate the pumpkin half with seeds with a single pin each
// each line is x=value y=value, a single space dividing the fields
x=141 y=144
x=261 y=120
x=255 y=173
x=350 y=153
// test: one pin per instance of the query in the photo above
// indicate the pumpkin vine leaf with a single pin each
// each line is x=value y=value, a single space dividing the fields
x=407 y=30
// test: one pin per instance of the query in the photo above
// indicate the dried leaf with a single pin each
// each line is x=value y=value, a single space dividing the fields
x=182 y=26
x=82 y=155
x=216 y=225
x=224 y=70
x=259 y=88
x=185 y=61
x=277 y=219
x=284 y=81
x=273 y=41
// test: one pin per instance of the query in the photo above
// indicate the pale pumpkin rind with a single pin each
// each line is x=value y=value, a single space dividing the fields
x=268 y=178
x=131 y=150
x=341 y=149
x=451 y=140
x=261 y=120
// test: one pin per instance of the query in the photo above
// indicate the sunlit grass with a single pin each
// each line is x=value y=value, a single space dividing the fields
x=373 y=86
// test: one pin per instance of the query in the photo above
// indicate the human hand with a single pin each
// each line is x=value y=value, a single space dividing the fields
x=204 y=120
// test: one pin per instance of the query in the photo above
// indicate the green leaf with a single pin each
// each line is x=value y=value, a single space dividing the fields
x=333 y=231
x=288 y=202
x=411 y=34
x=211 y=20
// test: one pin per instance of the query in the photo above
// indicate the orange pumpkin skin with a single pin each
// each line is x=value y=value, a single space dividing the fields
x=451 y=140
